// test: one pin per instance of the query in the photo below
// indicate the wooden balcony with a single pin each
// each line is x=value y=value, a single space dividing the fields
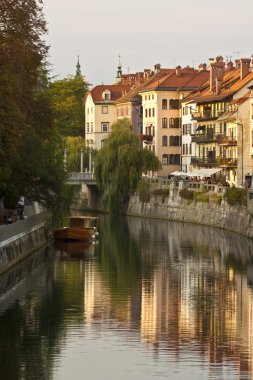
x=205 y=161
x=228 y=162
x=227 y=140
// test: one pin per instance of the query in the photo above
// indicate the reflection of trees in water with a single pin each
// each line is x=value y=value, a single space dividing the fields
x=121 y=259
x=33 y=327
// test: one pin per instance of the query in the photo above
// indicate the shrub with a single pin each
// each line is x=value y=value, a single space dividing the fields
x=201 y=197
x=143 y=190
x=235 y=196
x=215 y=198
x=186 y=194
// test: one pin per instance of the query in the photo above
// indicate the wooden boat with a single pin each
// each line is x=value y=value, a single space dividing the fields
x=75 y=249
x=80 y=228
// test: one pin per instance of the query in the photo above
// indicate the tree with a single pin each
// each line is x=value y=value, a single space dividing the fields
x=22 y=51
x=67 y=99
x=120 y=163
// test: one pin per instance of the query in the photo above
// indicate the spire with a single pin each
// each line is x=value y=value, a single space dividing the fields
x=119 y=72
x=78 y=68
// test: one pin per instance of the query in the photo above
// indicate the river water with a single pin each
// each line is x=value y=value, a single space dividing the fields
x=151 y=299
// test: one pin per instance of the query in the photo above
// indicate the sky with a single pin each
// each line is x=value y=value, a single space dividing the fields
x=143 y=33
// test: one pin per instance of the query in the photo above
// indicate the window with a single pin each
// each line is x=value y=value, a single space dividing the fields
x=164 y=141
x=149 y=112
x=174 y=104
x=177 y=159
x=172 y=122
x=174 y=141
x=105 y=127
x=88 y=111
x=91 y=127
x=153 y=97
x=146 y=113
x=164 y=104
x=165 y=159
x=140 y=110
x=164 y=122
x=104 y=109
x=153 y=112
x=126 y=110
x=106 y=95
x=88 y=128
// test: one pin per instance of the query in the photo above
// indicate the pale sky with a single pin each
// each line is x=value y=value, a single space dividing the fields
x=144 y=32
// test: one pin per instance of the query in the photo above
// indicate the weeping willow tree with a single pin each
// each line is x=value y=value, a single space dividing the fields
x=120 y=163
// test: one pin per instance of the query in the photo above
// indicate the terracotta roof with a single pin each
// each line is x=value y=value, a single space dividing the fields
x=172 y=80
x=136 y=90
x=199 y=79
x=231 y=83
x=240 y=100
x=117 y=90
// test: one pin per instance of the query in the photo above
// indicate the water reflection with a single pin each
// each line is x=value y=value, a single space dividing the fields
x=152 y=298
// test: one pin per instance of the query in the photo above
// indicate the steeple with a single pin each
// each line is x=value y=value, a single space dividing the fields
x=78 y=68
x=119 y=72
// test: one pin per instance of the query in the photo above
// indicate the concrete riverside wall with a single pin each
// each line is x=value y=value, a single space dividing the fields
x=232 y=218
x=20 y=239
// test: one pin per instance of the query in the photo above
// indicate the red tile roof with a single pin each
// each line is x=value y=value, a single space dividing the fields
x=117 y=91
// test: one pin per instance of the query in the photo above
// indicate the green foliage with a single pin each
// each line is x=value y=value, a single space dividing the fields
x=236 y=196
x=22 y=52
x=162 y=193
x=215 y=198
x=186 y=194
x=201 y=197
x=144 y=191
x=73 y=150
x=120 y=163
x=67 y=99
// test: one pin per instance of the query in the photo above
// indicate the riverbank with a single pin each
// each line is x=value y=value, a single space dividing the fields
x=232 y=218
x=21 y=239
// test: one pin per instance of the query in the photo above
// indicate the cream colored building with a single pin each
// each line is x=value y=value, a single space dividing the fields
x=101 y=112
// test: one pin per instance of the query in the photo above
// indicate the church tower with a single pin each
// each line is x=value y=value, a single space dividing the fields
x=119 y=72
x=78 y=68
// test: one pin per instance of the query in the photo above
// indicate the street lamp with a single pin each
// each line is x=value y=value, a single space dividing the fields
x=65 y=159
x=81 y=160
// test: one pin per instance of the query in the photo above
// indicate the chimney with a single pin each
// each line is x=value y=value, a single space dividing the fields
x=202 y=67
x=157 y=68
x=245 y=66
x=218 y=82
x=216 y=71
x=178 y=71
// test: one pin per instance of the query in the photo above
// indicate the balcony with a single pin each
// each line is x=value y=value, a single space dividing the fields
x=202 y=116
x=227 y=140
x=205 y=161
x=147 y=139
x=204 y=138
x=228 y=162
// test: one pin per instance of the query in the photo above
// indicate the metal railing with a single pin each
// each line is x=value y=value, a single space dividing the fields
x=77 y=177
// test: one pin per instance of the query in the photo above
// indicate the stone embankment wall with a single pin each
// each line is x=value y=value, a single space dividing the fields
x=20 y=239
x=232 y=218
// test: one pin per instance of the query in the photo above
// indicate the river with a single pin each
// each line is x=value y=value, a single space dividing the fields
x=150 y=300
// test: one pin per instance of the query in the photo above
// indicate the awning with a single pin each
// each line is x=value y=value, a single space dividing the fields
x=209 y=172
x=177 y=173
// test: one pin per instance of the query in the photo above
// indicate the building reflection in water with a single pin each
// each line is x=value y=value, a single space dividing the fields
x=193 y=294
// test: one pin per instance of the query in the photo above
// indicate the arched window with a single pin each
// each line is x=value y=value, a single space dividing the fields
x=164 y=122
x=172 y=122
x=176 y=140
x=172 y=141
x=177 y=159
x=171 y=159
x=165 y=159
x=164 y=141
x=164 y=104
x=174 y=104
x=176 y=122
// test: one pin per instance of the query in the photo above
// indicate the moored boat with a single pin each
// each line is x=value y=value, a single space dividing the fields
x=80 y=228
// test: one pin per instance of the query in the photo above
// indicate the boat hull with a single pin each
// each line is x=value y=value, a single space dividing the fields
x=69 y=233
